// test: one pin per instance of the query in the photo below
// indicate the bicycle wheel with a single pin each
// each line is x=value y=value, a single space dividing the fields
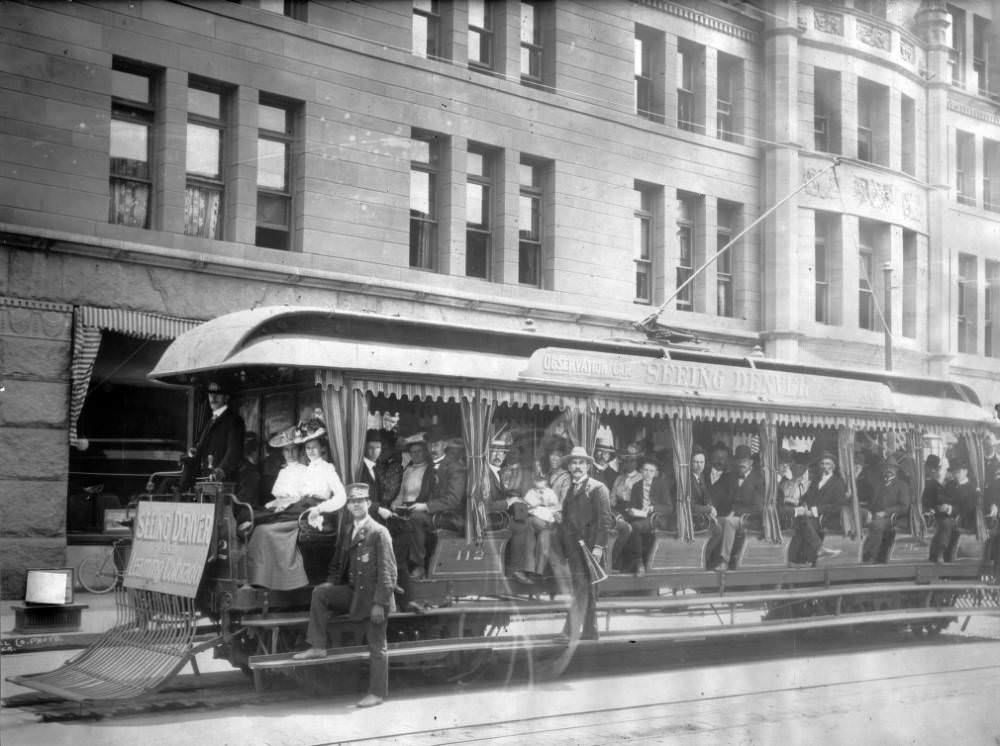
x=97 y=573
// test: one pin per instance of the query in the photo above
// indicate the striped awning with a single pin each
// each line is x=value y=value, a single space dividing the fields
x=448 y=391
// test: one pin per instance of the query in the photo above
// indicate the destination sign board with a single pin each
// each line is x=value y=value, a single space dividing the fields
x=662 y=377
x=169 y=547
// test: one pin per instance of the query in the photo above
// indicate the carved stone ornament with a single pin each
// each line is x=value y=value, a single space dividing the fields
x=875 y=193
x=872 y=35
x=829 y=23
x=803 y=24
x=824 y=187
x=909 y=203
x=907 y=51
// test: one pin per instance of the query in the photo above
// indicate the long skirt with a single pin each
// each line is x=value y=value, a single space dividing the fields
x=273 y=557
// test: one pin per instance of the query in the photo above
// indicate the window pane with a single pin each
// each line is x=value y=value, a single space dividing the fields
x=527 y=266
x=420 y=193
x=273 y=6
x=272 y=157
x=428 y=6
x=420 y=32
x=639 y=60
x=528 y=23
x=528 y=217
x=420 y=151
x=526 y=172
x=130 y=86
x=272 y=118
x=475 y=163
x=475 y=201
x=129 y=203
x=203 y=150
x=477 y=13
x=478 y=47
x=476 y=253
x=129 y=141
x=204 y=103
x=202 y=209
x=272 y=209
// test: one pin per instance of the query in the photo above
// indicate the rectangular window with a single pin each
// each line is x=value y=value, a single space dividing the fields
x=643 y=227
x=649 y=47
x=908 y=134
x=203 y=198
x=821 y=254
x=426 y=29
x=958 y=48
x=866 y=293
x=292 y=8
x=534 y=16
x=980 y=53
x=727 y=216
x=529 y=262
x=131 y=178
x=909 y=284
x=872 y=7
x=686 y=86
x=826 y=110
x=873 y=122
x=687 y=210
x=726 y=113
x=991 y=175
x=965 y=168
x=424 y=160
x=481 y=34
x=991 y=310
x=967 y=304
x=480 y=171
x=274 y=192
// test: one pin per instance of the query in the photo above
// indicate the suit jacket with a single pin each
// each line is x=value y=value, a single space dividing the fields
x=701 y=500
x=443 y=487
x=368 y=565
x=659 y=496
x=892 y=498
x=222 y=439
x=586 y=514
x=833 y=493
x=607 y=475
x=722 y=493
x=749 y=496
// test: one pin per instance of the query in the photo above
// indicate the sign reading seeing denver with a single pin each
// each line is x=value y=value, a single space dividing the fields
x=657 y=376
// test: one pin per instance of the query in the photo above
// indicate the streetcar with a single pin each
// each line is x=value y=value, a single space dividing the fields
x=360 y=371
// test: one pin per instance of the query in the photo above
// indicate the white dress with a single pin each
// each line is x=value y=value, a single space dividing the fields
x=273 y=556
x=322 y=481
x=287 y=488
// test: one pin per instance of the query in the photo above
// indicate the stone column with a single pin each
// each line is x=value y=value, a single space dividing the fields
x=505 y=232
x=781 y=319
x=240 y=177
x=169 y=154
x=451 y=206
x=932 y=23
x=704 y=285
x=710 y=89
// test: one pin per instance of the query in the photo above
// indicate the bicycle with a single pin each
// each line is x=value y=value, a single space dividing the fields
x=102 y=573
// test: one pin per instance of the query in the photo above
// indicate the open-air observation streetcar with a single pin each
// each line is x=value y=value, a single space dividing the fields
x=283 y=363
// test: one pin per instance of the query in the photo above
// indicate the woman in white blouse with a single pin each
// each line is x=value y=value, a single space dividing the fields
x=273 y=556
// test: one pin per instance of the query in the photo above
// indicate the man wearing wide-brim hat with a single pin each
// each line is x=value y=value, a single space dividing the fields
x=586 y=518
x=891 y=501
x=360 y=583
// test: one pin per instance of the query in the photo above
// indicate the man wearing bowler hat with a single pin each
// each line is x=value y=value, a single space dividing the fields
x=892 y=499
x=219 y=450
x=360 y=584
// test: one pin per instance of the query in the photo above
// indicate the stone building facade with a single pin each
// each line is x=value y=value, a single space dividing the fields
x=558 y=166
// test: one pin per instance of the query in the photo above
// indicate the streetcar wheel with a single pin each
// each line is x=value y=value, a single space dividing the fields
x=97 y=573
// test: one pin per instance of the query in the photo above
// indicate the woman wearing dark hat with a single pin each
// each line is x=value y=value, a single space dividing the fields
x=649 y=496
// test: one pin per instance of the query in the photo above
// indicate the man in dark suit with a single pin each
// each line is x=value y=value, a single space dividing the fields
x=219 y=450
x=891 y=501
x=442 y=493
x=721 y=484
x=827 y=495
x=382 y=470
x=360 y=584
x=586 y=517
x=651 y=495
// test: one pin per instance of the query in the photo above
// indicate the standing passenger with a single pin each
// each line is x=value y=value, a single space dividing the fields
x=220 y=446
x=360 y=583
x=935 y=500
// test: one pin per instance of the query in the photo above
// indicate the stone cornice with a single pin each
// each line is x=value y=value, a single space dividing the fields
x=35 y=305
x=702 y=19
x=973 y=112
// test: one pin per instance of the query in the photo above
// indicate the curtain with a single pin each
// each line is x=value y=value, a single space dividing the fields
x=977 y=470
x=86 y=343
x=845 y=453
x=335 y=412
x=915 y=447
x=768 y=434
x=360 y=401
x=202 y=209
x=584 y=422
x=129 y=203
x=477 y=421
x=681 y=431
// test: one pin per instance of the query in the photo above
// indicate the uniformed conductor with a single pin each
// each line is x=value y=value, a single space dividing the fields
x=361 y=582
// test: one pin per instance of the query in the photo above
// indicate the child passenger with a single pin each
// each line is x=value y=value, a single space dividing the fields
x=530 y=548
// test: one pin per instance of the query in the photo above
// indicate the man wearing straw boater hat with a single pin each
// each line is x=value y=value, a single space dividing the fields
x=586 y=521
x=360 y=584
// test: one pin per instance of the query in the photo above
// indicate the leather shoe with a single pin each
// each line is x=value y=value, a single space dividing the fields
x=640 y=571
x=721 y=567
x=370 y=700
x=417 y=573
x=520 y=577
x=310 y=654
x=827 y=552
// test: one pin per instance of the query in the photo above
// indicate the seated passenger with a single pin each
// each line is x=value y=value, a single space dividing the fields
x=892 y=498
x=791 y=488
x=620 y=494
x=963 y=496
x=934 y=500
x=749 y=498
x=825 y=496
x=433 y=485
x=555 y=450
x=702 y=512
x=273 y=556
x=828 y=494
x=991 y=504
x=529 y=549
x=728 y=525
x=649 y=496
